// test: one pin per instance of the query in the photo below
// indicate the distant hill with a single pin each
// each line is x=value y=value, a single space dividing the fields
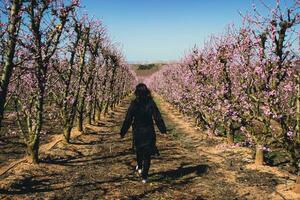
x=148 y=69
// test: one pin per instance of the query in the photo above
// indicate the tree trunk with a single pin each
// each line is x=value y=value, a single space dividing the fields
x=98 y=114
x=297 y=185
x=99 y=110
x=90 y=119
x=94 y=113
x=80 y=115
x=33 y=149
x=80 y=122
x=230 y=137
x=67 y=133
x=201 y=122
x=106 y=108
x=259 y=155
x=35 y=130
x=80 y=78
x=90 y=112
x=9 y=54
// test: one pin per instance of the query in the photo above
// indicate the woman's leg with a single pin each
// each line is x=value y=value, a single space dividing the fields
x=133 y=145
x=146 y=166
x=139 y=159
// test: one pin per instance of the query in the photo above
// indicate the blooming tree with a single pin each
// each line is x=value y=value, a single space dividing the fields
x=243 y=81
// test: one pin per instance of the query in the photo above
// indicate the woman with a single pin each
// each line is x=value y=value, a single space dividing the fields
x=140 y=114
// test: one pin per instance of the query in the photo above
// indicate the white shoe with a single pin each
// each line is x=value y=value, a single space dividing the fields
x=144 y=180
x=138 y=170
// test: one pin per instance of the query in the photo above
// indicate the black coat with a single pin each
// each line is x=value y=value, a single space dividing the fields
x=140 y=115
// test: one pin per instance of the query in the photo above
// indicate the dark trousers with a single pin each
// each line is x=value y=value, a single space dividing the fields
x=143 y=161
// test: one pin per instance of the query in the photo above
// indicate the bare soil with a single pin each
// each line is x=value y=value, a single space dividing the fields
x=99 y=165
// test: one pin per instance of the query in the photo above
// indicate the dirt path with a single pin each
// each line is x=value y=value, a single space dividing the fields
x=98 y=165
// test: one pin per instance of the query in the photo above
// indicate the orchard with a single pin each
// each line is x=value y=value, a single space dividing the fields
x=59 y=67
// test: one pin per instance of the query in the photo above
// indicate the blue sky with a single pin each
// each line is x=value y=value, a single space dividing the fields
x=163 y=30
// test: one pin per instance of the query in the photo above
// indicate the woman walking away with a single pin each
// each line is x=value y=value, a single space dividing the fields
x=140 y=114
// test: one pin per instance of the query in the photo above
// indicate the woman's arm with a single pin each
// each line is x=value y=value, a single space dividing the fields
x=128 y=120
x=158 y=119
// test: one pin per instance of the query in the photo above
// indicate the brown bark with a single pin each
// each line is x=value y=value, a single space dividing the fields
x=90 y=112
x=98 y=113
x=230 y=137
x=80 y=116
x=259 y=155
x=67 y=133
x=106 y=108
x=33 y=150
x=297 y=185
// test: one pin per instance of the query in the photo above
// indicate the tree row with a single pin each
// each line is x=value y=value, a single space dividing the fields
x=57 y=63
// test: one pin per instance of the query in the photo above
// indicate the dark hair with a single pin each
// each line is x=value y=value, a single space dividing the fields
x=142 y=93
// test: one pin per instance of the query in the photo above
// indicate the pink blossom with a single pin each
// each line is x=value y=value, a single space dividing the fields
x=288 y=87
